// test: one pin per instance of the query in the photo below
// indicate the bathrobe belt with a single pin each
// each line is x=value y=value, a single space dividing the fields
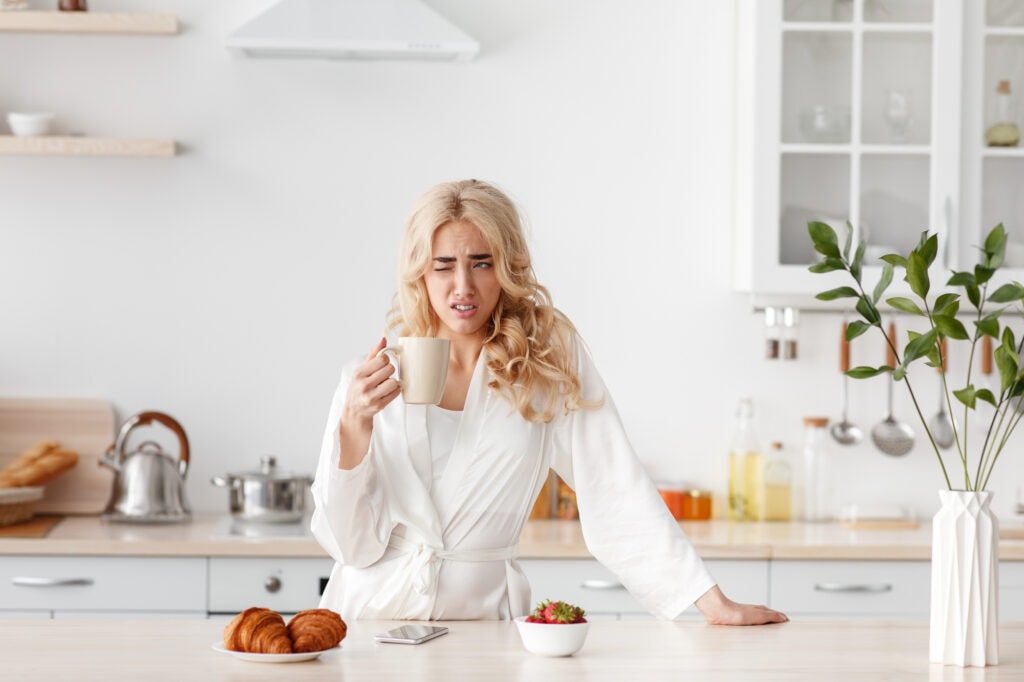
x=426 y=559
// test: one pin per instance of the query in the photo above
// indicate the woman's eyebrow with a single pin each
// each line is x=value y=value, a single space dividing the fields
x=480 y=256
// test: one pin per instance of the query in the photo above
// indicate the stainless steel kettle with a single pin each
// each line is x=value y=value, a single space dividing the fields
x=149 y=485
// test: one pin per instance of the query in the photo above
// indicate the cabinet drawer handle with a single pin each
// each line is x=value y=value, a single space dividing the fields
x=852 y=587
x=24 y=581
x=597 y=584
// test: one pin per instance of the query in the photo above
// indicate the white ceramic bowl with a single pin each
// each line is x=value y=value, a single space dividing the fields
x=28 y=124
x=552 y=639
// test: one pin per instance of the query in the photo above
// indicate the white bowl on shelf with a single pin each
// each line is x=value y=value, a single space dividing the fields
x=552 y=639
x=27 y=124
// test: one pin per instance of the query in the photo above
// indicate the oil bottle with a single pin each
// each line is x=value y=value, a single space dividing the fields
x=777 y=479
x=744 y=466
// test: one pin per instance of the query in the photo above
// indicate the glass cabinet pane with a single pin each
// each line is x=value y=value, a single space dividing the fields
x=817 y=72
x=898 y=11
x=1004 y=13
x=813 y=187
x=1002 y=201
x=817 y=10
x=893 y=202
x=1004 y=61
x=896 y=91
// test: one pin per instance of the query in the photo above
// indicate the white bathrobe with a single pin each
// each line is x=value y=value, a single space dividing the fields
x=406 y=549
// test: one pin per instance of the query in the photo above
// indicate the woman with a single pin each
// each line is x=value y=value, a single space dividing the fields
x=422 y=506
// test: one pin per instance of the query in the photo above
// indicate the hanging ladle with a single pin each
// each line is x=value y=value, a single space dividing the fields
x=940 y=424
x=844 y=431
x=890 y=436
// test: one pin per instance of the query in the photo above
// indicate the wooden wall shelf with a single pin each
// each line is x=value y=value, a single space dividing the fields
x=88 y=22
x=52 y=145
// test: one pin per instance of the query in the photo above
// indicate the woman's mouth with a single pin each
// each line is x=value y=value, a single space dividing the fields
x=463 y=309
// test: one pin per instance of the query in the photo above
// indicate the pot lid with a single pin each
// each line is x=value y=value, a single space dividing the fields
x=268 y=471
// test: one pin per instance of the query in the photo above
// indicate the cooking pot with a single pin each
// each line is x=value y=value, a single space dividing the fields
x=149 y=485
x=266 y=496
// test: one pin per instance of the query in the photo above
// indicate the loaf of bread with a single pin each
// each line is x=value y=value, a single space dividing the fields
x=39 y=464
x=316 y=630
x=258 y=631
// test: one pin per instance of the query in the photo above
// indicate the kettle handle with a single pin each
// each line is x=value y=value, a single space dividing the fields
x=146 y=418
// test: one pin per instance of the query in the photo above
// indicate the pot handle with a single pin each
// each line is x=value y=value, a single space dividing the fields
x=146 y=418
x=224 y=481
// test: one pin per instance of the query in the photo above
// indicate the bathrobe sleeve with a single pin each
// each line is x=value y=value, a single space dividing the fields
x=625 y=523
x=351 y=520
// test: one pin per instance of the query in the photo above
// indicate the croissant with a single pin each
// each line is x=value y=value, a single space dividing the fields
x=316 y=630
x=258 y=630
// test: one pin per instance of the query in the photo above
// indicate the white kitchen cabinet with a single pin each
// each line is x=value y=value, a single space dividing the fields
x=588 y=584
x=852 y=589
x=1011 y=591
x=871 y=112
x=287 y=585
x=103 y=585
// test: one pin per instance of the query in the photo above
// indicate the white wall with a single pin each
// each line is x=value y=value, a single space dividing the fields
x=228 y=285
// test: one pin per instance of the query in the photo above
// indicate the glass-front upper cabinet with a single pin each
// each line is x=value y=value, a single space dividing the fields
x=993 y=87
x=848 y=114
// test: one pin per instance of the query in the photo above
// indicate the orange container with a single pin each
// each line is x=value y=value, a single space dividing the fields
x=675 y=500
x=696 y=505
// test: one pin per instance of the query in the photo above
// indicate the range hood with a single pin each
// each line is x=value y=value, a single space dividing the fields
x=353 y=29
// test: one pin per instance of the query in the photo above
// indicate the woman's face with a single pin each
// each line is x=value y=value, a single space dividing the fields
x=461 y=282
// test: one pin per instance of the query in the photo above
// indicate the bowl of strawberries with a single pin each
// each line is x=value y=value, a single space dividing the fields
x=555 y=628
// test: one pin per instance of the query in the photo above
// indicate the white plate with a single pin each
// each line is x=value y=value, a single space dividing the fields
x=272 y=658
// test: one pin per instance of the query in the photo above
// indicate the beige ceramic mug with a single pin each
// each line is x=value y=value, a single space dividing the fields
x=421 y=367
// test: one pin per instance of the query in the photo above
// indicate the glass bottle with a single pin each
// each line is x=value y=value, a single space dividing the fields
x=815 y=472
x=778 y=486
x=1004 y=131
x=744 y=465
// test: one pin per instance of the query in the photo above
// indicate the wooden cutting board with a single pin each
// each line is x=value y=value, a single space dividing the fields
x=84 y=425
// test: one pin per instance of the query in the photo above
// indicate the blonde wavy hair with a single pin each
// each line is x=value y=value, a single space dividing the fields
x=529 y=342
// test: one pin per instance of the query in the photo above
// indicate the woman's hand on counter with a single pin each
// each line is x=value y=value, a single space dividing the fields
x=718 y=609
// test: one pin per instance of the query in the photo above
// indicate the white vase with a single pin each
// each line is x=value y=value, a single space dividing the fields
x=965 y=581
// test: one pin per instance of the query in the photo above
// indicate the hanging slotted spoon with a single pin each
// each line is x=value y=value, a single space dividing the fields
x=940 y=424
x=845 y=432
x=890 y=436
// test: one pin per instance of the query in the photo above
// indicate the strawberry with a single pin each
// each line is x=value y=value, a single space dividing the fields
x=555 y=612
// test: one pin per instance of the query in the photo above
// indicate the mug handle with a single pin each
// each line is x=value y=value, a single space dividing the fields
x=393 y=354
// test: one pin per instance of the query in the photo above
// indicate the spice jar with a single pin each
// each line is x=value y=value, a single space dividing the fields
x=696 y=505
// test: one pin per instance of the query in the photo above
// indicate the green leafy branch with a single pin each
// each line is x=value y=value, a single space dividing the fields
x=943 y=323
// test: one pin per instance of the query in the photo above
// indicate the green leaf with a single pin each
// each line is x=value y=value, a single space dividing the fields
x=895 y=259
x=865 y=372
x=995 y=246
x=899 y=373
x=1007 y=362
x=974 y=296
x=827 y=265
x=983 y=274
x=967 y=396
x=868 y=310
x=917 y=274
x=858 y=260
x=989 y=325
x=961 y=279
x=904 y=304
x=947 y=304
x=855 y=329
x=1007 y=293
x=986 y=395
x=950 y=327
x=883 y=282
x=849 y=240
x=929 y=247
x=919 y=347
x=824 y=238
x=838 y=292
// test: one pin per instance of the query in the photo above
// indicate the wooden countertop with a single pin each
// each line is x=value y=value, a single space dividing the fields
x=180 y=649
x=216 y=535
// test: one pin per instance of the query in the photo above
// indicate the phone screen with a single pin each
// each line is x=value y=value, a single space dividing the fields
x=411 y=634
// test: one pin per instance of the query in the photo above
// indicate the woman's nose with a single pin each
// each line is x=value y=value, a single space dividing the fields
x=463 y=281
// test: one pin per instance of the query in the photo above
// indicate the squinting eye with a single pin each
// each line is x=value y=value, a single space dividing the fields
x=483 y=264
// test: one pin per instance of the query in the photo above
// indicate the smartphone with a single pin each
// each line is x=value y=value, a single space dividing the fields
x=411 y=634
